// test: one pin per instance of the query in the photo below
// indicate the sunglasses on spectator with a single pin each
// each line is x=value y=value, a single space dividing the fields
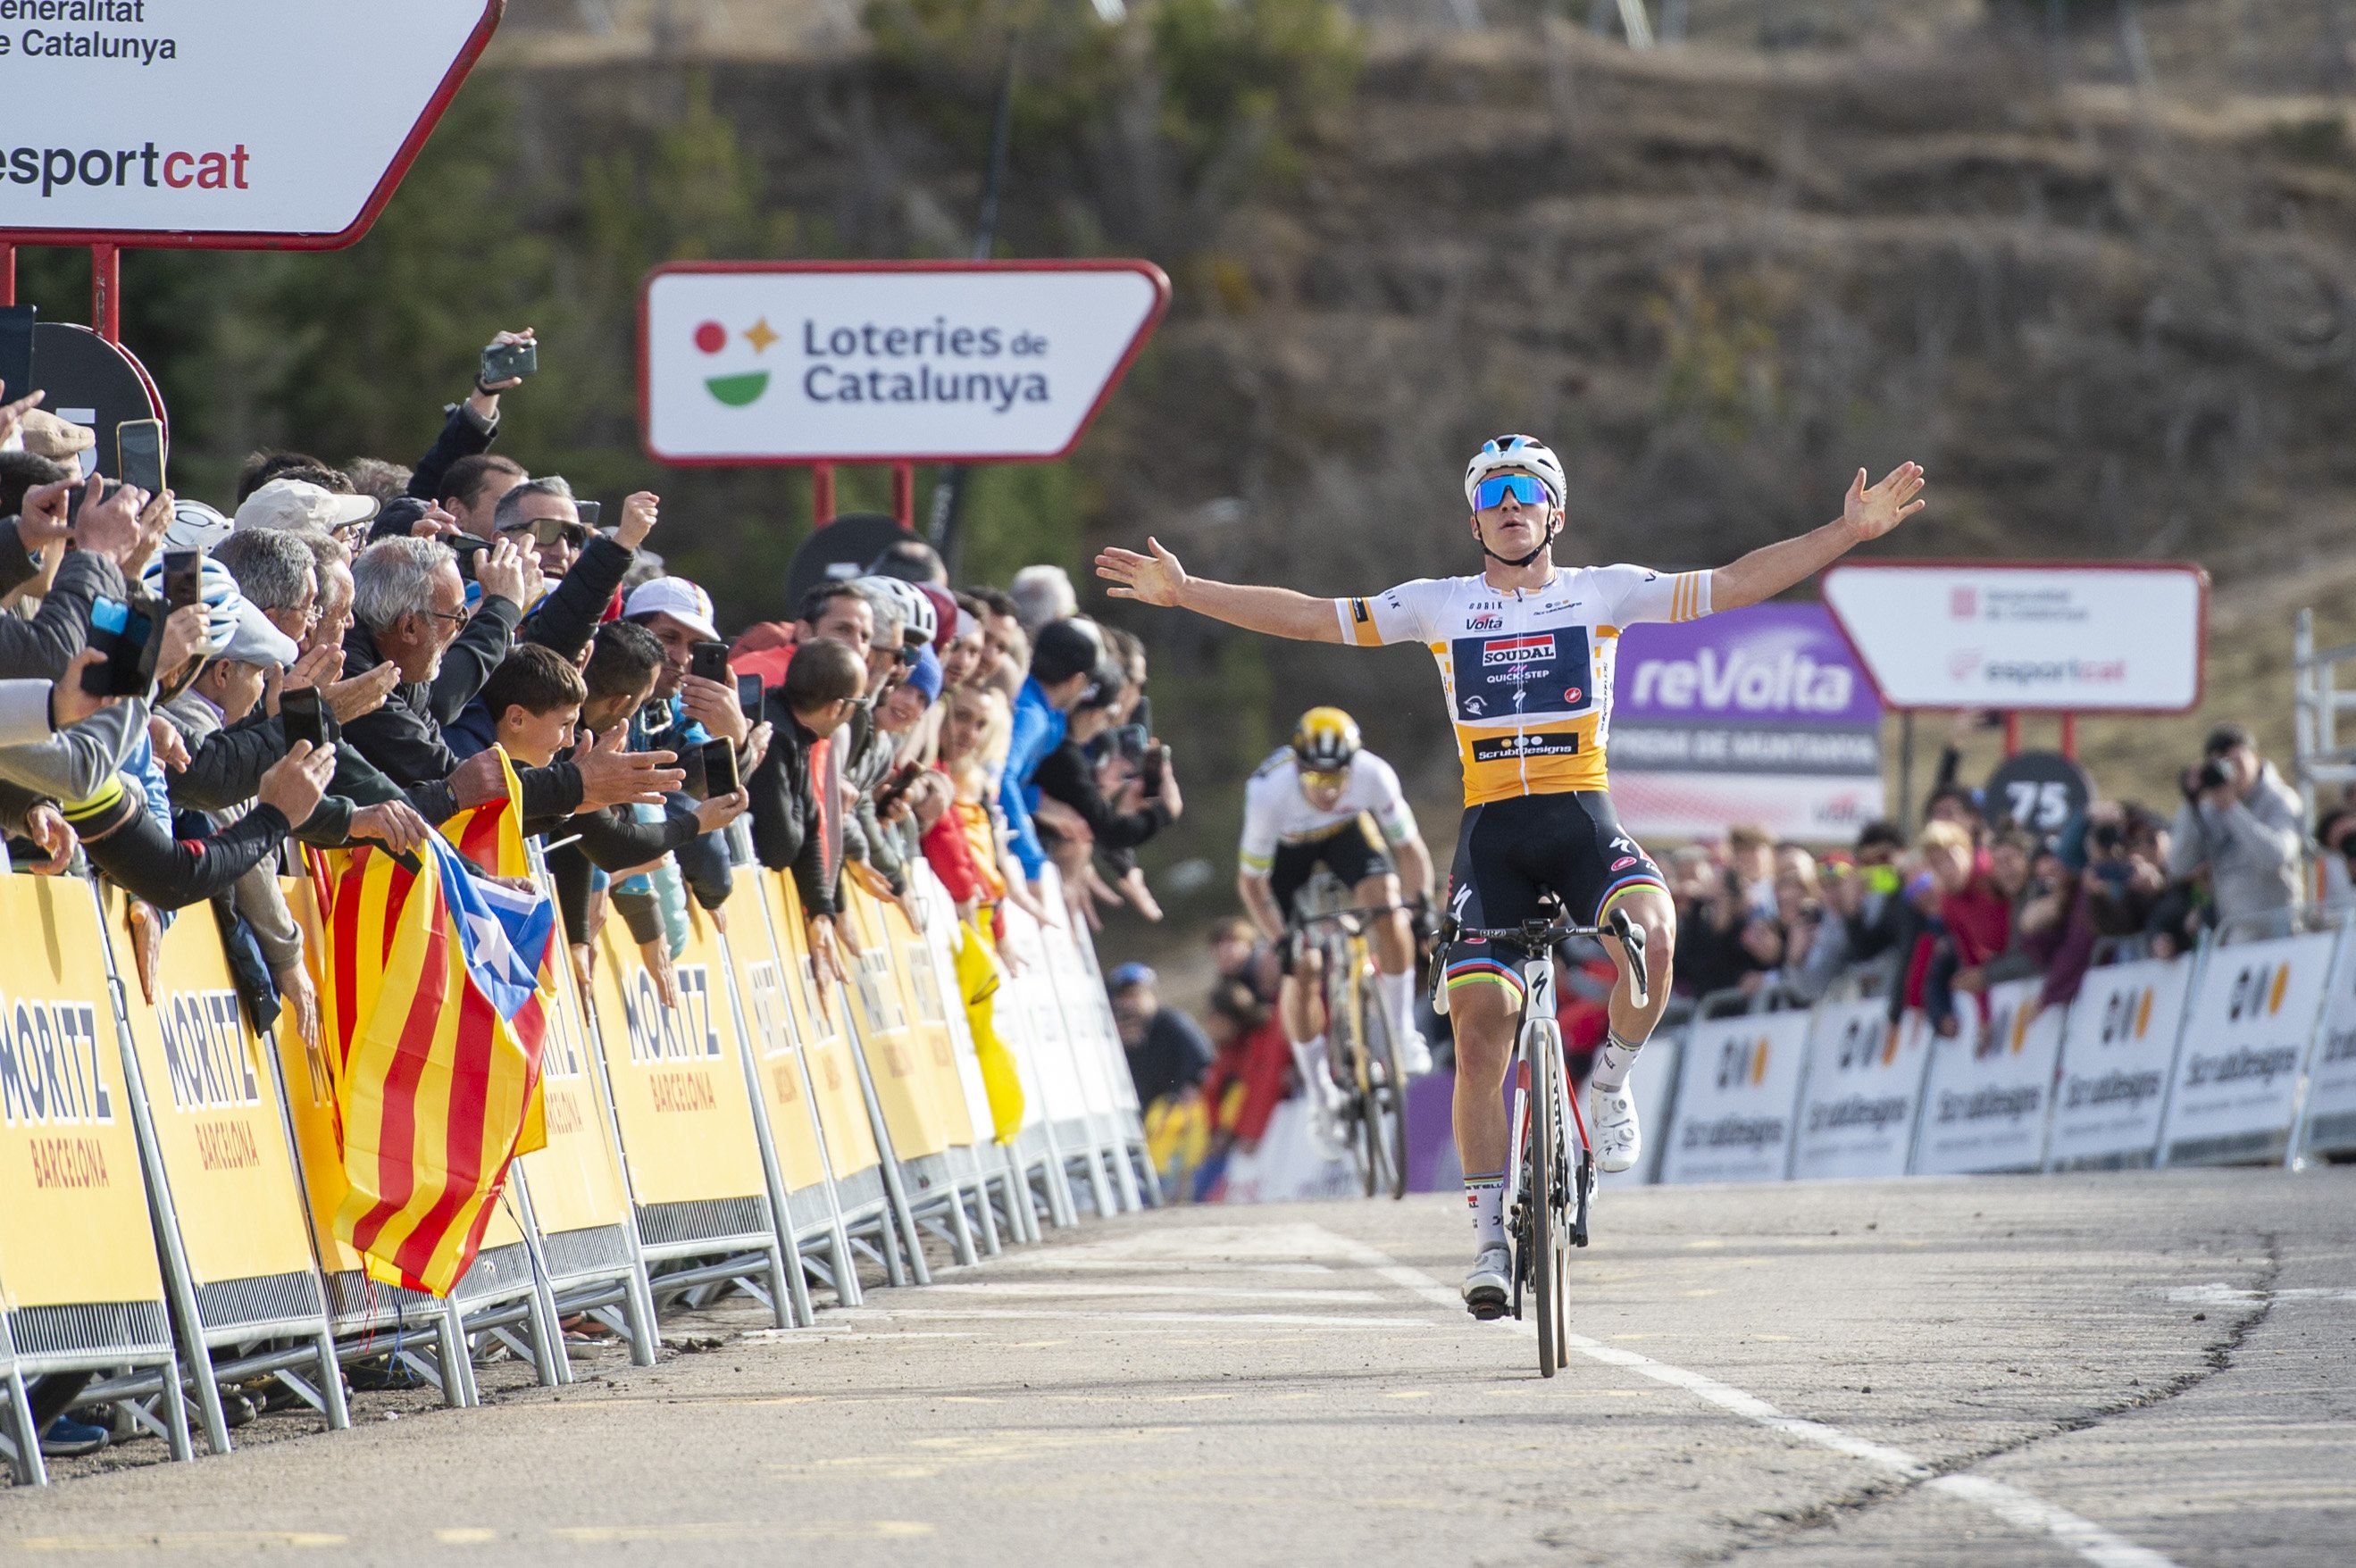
x=1523 y=487
x=548 y=530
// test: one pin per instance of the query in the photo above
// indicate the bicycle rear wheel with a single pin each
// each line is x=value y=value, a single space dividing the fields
x=1543 y=1163
x=1345 y=1035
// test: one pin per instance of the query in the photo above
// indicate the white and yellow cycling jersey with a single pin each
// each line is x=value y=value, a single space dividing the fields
x=1275 y=812
x=1528 y=671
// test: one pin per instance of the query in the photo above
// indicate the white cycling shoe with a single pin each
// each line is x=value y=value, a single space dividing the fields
x=1329 y=1125
x=1489 y=1285
x=1414 y=1052
x=1618 y=1140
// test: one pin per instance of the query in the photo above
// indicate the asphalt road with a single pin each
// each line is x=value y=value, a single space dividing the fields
x=2130 y=1371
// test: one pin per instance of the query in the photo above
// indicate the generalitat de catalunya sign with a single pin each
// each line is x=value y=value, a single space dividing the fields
x=874 y=361
x=2125 y=637
x=219 y=122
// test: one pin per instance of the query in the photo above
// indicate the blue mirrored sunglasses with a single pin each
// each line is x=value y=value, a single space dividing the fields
x=1523 y=487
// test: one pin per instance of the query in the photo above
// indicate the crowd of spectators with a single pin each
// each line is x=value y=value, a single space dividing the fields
x=350 y=655
x=1973 y=901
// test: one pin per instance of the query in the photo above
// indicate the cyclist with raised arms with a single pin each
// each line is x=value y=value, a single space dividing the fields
x=1325 y=800
x=1526 y=650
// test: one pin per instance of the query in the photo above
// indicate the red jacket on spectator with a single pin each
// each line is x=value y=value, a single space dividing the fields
x=1247 y=1080
x=1978 y=919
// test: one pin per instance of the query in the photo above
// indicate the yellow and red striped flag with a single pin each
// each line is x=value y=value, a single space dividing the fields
x=440 y=998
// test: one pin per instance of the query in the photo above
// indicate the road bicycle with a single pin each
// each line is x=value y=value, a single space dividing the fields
x=1550 y=1161
x=1360 y=1043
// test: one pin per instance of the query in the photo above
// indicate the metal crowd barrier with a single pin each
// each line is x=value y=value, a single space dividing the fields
x=170 y=1181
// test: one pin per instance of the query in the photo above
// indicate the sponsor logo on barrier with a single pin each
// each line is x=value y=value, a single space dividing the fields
x=2263 y=1063
x=1984 y=1104
x=49 y=1069
x=1735 y=1132
x=205 y=1052
x=2128 y=1089
x=683 y=1033
x=1857 y=1111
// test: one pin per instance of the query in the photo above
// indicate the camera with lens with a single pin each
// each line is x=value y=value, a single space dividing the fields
x=2214 y=773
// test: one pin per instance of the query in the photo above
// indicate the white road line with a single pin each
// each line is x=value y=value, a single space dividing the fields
x=2009 y=1503
x=1292 y=1319
x=1085 y=1288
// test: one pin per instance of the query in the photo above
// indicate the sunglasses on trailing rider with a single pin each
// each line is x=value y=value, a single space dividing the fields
x=1317 y=778
x=1523 y=487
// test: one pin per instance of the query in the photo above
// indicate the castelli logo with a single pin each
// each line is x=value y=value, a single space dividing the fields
x=1623 y=862
x=1572 y=694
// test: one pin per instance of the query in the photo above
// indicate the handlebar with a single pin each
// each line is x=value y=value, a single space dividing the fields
x=1537 y=936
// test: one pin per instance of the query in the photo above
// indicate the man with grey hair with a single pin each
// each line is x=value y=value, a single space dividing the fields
x=409 y=606
x=1041 y=594
x=586 y=568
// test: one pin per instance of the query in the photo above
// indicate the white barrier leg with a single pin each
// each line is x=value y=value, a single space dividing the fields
x=30 y=1469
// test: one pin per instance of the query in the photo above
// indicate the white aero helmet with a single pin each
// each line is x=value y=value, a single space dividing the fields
x=1514 y=452
x=914 y=611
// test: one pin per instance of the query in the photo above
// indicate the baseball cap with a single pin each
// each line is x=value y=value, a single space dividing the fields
x=1129 y=975
x=256 y=641
x=299 y=504
x=945 y=611
x=675 y=597
x=925 y=676
x=46 y=436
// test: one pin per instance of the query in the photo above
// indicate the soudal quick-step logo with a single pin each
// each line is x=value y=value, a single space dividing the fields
x=743 y=387
x=1523 y=649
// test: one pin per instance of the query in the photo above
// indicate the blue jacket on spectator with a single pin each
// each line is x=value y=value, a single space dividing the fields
x=1038 y=730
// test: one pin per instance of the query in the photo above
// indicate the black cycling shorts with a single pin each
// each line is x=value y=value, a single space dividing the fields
x=1353 y=852
x=1511 y=851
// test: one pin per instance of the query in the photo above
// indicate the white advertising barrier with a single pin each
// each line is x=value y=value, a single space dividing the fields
x=1985 y=1100
x=149 y=120
x=2255 y=1011
x=2117 y=1049
x=1864 y=1081
x=873 y=361
x=1736 y=1099
x=1287 y=1164
x=2330 y=1112
x=2126 y=637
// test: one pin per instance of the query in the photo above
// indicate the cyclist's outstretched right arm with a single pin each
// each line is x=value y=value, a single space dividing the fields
x=1259 y=903
x=1159 y=579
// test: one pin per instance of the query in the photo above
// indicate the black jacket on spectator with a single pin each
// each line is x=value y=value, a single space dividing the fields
x=404 y=738
x=40 y=648
x=611 y=838
x=567 y=616
x=1172 y=1057
x=1066 y=774
x=227 y=768
x=463 y=435
x=789 y=830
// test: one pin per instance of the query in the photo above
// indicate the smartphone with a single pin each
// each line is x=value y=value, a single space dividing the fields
x=1129 y=741
x=719 y=768
x=184 y=577
x=470 y=553
x=506 y=361
x=306 y=717
x=1156 y=764
x=139 y=453
x=709 y=661
x=16 y=348
x=74 y=498
x=748 y=696
x=897 y=786
x=590 y=512
x=125 y=631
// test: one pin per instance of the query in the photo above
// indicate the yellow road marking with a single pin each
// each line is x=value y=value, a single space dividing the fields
x=182 y=1541
x=799 y=1529
x=466 y=1535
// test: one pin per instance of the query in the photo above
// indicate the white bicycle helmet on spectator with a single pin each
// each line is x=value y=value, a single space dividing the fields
x=1514 y=452
x=194 y=526
x=224 y=605
x=918 y=621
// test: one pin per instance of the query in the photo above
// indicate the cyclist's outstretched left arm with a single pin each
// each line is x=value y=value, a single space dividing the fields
x=1866 y=514
x=1159 y=579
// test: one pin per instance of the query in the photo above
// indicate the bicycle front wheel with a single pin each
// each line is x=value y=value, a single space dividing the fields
x=1385 y=1112
x=1542 y=1160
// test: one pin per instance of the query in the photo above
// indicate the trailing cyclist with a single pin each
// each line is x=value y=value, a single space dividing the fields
x=1526 y=651
x=1325 y=801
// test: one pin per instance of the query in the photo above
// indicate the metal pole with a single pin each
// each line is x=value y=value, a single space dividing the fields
x=1906 y=775
x=2011 y=734
x=8 y=276
x=903 y=495
x=2070 y=736
x=821 y=494
x=105 y=291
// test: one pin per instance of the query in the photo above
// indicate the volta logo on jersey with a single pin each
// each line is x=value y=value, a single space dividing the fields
x=1485 y=623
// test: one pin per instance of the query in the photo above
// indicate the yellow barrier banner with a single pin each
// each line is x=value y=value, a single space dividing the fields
x=676 y=1070
x=310 y=1081
x=920 y=991
x=761 y=980
x=211 y=1096
x=73 y=1202
x=576 y=1182
x=903 y=1080
x=833 y=1076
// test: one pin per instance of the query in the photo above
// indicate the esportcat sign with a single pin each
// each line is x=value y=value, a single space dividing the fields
x=2072 y=637
x=805 y=362
x=219 y=122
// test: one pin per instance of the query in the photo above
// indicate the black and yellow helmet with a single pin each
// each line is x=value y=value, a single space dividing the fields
x=1325 y=740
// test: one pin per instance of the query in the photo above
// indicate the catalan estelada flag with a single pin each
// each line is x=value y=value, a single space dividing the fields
x=439 y=978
